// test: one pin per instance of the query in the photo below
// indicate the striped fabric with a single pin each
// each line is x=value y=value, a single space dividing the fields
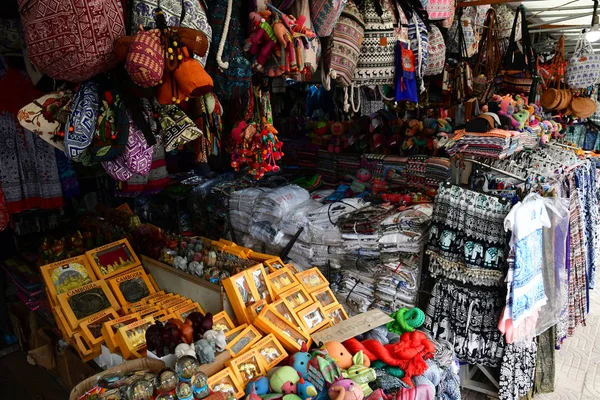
x=145 y=61
x=325 y=14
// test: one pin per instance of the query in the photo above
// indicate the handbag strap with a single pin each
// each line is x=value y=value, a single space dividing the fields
x=489 y=53
x=583 y=46
x=462 y=46
x=528 y=50
x=558 y=62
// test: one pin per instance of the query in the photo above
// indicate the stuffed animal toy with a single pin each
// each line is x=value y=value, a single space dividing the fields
x=216 y=339
x=252 y=394
x=323 y=371
x=299 y=361
x=360 y=374
x=204 y=351
x=184 y=349
x=262 y=40
x=284 y=380
x=345 y=389
x=260 y=386
x=337 y=131
x=341 y=355
x=305 y=389
x=288 y=54
x=522 y=117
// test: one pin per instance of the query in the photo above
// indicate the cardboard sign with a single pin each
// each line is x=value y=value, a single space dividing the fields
x=351 y=327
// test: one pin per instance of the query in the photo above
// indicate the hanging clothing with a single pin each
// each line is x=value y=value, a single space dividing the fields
x=28 y=170
x=518 y=370
x=525 y=295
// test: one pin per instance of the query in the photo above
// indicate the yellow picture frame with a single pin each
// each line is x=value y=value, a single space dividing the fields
x=103 y=262
x=183 y=312
x=281 y=281
x=121 y=286
x=258 y=276
x=97 y=292
x=249 y=358
x=336 y=314
x=131 y=338
x=285 y=311
x=274 y=264
x=226 y=381
x=61 y=276
x=232 y=334
x=222 y=322
x=241 y=292
x=325 y=297
x=312 y=279
x=91 y=328
x=244 y=341
x=297 y=297
x=271 y=351
x=313 y=318
x=290 y=337
x=110 y=328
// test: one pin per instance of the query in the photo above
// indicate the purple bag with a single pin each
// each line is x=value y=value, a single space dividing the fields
x=136 y=158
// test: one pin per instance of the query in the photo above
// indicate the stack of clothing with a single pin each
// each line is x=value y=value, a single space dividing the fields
x=347 y=165
x=395 y=172
x=417 y=170
x=360 y=230
x=438 y=170
x=327 y=168
x=530 y=138
x=406 y=231
x=494 y=143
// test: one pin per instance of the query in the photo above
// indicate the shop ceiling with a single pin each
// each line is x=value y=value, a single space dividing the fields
x=549 y=19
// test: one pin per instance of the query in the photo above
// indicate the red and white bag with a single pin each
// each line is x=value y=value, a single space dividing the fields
x=72 y=40
x=436 y=57
x=440 y=9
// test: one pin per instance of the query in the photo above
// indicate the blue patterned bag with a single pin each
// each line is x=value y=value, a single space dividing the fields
x=81 y=125
x=583 y=70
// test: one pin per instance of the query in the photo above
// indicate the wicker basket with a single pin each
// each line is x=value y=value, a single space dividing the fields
x=142 y=363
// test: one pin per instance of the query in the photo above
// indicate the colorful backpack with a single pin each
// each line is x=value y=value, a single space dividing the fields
x=325 y=15
x=192 y=15
x=375 y=65
x=440 y=9
x=419 y=44
x=72 y=40
x=436 y=52
x=345 y=42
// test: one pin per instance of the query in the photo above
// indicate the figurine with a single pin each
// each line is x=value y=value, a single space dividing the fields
x=184 y=349
x=204 y=351
x=216 y=339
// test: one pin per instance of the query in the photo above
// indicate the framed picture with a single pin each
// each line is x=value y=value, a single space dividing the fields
x=85 y=351
x=232 y=334
x=285 y=310
x=83 y=302
x=112 y=259
x=312 y=279
x=291 y=338
x=241 y=292
x=69 y=274
x=132 y=286
x=313 y=318
x=259 y=277
x=91 y=328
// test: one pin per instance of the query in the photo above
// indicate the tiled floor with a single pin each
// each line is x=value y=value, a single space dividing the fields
x=577 y=363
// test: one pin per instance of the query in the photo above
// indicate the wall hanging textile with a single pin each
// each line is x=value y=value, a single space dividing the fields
x=72 y=40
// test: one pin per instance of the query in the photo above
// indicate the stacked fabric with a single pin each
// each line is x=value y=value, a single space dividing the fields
x=406 y=231
x=347 y=165
x=494 y=143
x=395 y=172
x=327 y=167
x=530 y=138
x=438 y=169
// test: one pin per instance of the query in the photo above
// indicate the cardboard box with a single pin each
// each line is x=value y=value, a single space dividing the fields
x=110 y=328
x=83 y=302
x=281 y=281
x=314 y=318
x=254 y=309
x=232 y=334
x=131 y=338
x=285 y=310
x=244 y=341
x=222 y=322
x=271 y=351
x=290 y=337
x=297 y=297
x=85 y=351
x=274 y=264
x=131 y=287
x=226 y=381
x=112 y=259
x=181 y=301
x=69 y=274
x=91 y=328
x=312 y=279
x=248 y=366
x=183 y=304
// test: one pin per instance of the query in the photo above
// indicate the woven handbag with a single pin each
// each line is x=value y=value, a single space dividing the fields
x=375 y=64
x=191 y=15
x=145 y=60
x=325 y=15
x=436 y=52
x=489 y=56
x=440 y=9
x=344 y=46
x=81 y=125
x=72 y=40
x=584 y=66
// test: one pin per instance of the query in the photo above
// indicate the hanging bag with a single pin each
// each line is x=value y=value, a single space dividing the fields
x=72 y=40
x=463 y=75
x=344 y=46
x=440 y=9
x=436 y=52
x=112 y=129
x=419 y=44
x=519 y=64
x=145 y=60
x=584 y=66
x=375 y=64
x=488 y=59
x=177 y=128
x=81 y=125
x=325 y=15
